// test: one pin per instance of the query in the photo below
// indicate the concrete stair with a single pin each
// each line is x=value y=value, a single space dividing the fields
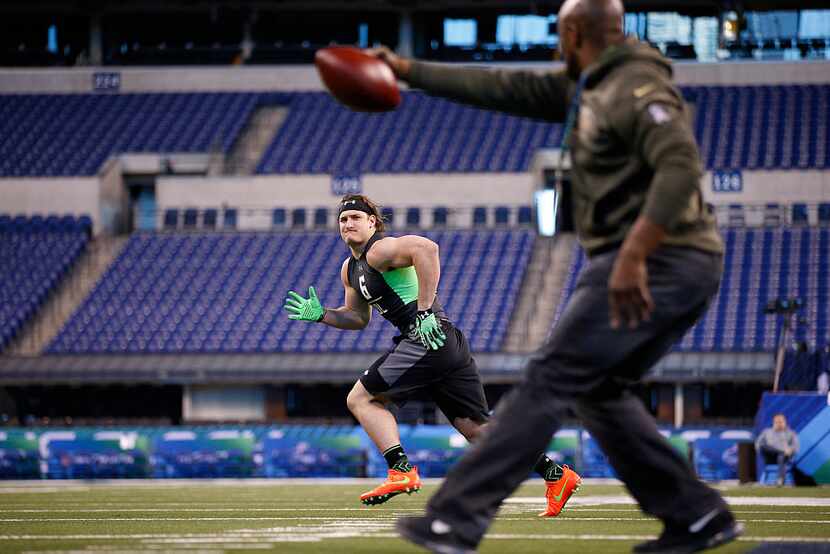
x=533 y=316
x=255 y=138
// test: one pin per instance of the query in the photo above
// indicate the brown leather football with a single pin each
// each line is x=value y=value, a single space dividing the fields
x=358 y=80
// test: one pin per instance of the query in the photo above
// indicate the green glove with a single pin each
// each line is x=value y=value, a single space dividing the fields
x=429 y=330
x=304 y=309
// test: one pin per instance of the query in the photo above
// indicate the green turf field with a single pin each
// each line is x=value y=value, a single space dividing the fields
x=240 y=516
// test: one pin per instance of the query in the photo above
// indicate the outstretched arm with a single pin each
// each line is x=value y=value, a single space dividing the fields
x=410 y=250
x=539 y=95
x=354 y=314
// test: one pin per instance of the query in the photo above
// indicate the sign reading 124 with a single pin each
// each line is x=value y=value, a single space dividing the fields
x=727 y=181
x=106 y=81
x=346 y=184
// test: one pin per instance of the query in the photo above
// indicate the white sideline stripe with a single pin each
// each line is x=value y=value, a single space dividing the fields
x=364 y=521
x=128 y=519
x=576 y=501
x=155 y=539
x=116 y=509
x=636 y=510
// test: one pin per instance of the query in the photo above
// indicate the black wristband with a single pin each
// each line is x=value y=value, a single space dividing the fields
x=322 y=316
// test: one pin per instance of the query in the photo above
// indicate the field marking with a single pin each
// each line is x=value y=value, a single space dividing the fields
x=514 y=509
x=107 y=510
x=636 y=509
x=359 y=520
x=129 y=519
x=230 y=538
x=576 y=501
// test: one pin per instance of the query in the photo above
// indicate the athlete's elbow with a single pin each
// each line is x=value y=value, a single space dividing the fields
x=430 y=248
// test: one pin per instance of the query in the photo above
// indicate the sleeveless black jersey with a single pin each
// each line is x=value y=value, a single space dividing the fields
x=393 y=294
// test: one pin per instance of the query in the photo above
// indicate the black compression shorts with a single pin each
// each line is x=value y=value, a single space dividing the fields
x=449 y=376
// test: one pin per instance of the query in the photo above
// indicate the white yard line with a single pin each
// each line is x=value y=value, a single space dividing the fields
x=155 y=539
x=151 y=510
x=322 y=518
x=577 y=500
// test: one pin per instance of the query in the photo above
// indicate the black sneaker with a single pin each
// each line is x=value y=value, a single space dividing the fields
x=713 y=529
x=433 y=534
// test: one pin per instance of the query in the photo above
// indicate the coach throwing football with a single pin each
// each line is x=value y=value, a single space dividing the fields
x=655 y=264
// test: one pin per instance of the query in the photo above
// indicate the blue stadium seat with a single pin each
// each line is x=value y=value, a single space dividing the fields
x=46 y=125
x=413 y=217
x=502 y=215
x=298 y=218
x=772 y=214
x=388 y=215
x=800 y=214
x=209 y=218
x=20 y=223
x=525 y=215
x=824 y=213
x=229 y=218
x=84 y=223
x=278 y=218
x=53 y=222
x=37 y=223
x=35 y=260
x=189 y=218
x=479 y=216
x=68 y=223
x=759 y=264
x=440 y=216
x=223 y=299
x=736 y=128
x=171 y=218
x=736 y=215
x=321 y=217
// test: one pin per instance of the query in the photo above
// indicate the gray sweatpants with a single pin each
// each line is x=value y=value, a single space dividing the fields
x=588 y=365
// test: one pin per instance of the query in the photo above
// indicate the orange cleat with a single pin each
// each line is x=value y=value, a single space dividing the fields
x=396 y=483
x=560 y=491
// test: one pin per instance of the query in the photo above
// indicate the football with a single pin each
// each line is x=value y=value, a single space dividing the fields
x=358 y=80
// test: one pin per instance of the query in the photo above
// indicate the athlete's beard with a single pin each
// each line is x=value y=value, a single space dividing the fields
x=358 y=246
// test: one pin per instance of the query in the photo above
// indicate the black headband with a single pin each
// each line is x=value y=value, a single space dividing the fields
x=356 y=204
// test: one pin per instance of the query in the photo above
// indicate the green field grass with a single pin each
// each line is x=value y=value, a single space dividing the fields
x=254 y=516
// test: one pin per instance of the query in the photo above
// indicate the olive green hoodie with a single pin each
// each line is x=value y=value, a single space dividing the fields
x=632 y=148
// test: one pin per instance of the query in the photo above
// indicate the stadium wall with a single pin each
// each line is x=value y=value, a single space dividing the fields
x=304 y=77
x=64 y=195
x=104 y=197
x=459 y=190
x=292 y=191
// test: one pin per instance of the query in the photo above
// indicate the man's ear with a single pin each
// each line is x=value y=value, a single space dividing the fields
x=373 y=221
x=576 y=29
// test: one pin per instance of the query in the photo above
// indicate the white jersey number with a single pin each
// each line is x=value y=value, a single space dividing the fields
x=363 y=289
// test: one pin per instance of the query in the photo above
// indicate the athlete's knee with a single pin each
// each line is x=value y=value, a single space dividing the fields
x=358 y=398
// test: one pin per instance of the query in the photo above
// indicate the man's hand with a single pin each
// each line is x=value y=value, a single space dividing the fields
x=400 y=66
x=628 y=296
x=304 y=309
x=429 y=330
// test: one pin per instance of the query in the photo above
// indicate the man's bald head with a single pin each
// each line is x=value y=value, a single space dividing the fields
x=586 y=28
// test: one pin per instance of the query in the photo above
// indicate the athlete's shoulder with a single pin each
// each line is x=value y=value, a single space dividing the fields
x=381 y=247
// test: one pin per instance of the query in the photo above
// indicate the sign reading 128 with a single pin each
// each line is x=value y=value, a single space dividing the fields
x=727 y=181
